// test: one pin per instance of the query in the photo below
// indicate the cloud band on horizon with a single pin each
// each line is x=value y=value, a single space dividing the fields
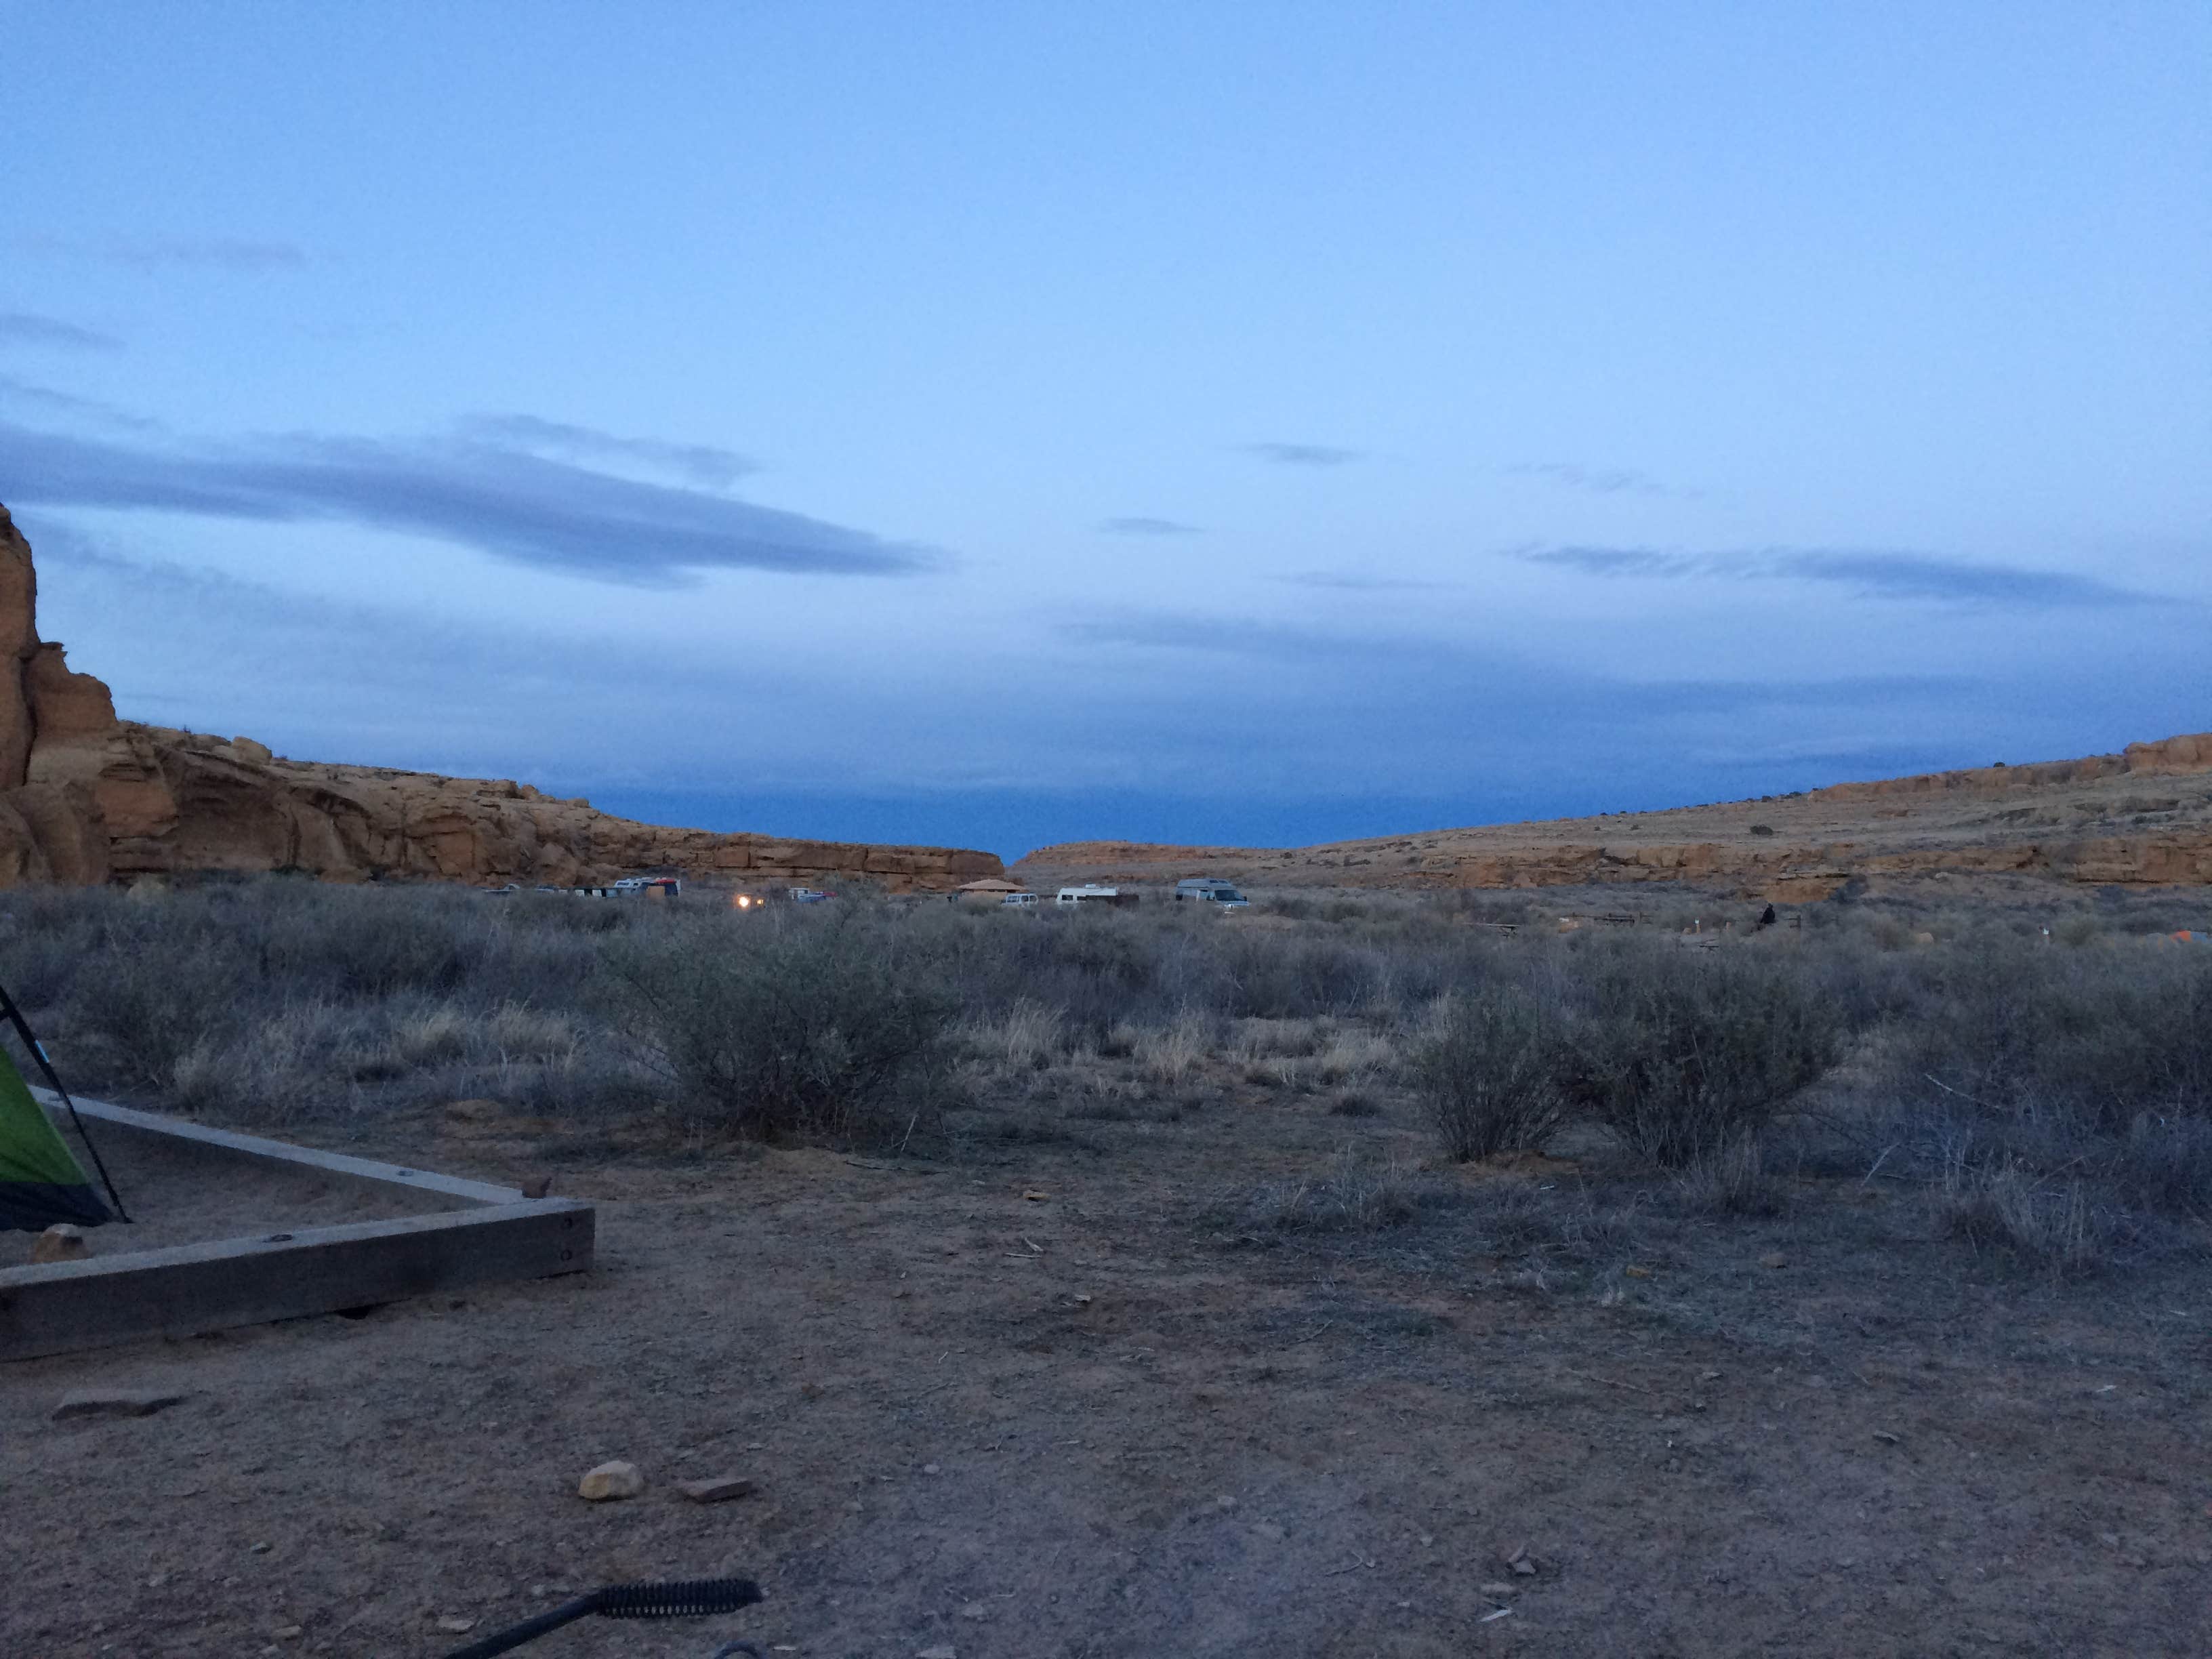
x=1871 y=574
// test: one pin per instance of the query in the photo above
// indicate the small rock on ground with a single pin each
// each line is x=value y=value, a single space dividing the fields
x=60 y=1242
x=609 y=1481
x=717 y=1488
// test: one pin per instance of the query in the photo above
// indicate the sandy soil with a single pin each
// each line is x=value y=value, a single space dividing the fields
x=1102 y=1421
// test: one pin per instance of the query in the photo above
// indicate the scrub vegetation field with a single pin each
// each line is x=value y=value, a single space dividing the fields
x=1359 y=1274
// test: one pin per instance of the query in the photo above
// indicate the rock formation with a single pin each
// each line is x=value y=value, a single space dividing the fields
x=2140 y=818
x=85 y=798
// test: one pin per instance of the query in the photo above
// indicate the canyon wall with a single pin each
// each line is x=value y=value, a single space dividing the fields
x=86 y=798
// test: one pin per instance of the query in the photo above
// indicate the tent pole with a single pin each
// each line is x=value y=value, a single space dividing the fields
x=14 y=1017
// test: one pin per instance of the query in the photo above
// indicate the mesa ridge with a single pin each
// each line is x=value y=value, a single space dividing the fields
x=86 y=798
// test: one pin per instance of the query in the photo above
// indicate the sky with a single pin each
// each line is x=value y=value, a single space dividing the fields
x=998 y=424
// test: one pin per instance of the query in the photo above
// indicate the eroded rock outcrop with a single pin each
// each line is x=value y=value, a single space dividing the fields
x=85 y=796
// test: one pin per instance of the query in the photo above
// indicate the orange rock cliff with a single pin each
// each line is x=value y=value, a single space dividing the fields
x=86 y=798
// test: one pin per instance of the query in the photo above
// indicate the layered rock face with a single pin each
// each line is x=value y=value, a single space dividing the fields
x=85 y=798
x=2141 y=817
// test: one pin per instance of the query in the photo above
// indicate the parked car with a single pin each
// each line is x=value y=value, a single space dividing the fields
x=1020 y=902
x=1210 y=889
x=810 y=896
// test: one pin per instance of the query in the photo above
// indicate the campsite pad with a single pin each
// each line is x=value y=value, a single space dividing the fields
x=178 y=1196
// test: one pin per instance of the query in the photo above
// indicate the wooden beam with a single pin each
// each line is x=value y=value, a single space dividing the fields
x=62 y=1306
x=176 y=1136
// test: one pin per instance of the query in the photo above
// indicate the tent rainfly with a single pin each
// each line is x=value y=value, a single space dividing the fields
x=40 y=1181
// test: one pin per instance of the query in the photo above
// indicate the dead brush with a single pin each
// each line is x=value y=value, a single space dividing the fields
x=1735 y=1181
x=2042 y=1221
x=1169 y=1056
x=1027 y=1038
x=518 y=1031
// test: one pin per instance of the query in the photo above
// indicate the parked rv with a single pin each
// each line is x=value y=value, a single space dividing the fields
x=1208 y=890
x=810 y=896
x=660 y=886
x=1090 y=893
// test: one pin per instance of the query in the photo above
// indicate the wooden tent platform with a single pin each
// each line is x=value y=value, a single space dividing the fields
x=461 y=1233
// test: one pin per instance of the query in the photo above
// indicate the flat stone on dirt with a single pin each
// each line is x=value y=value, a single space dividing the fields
x=115 y=1402
x=717 y=1488
x=610 y=1481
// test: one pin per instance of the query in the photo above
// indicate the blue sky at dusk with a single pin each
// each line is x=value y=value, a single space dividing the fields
x=996 y=424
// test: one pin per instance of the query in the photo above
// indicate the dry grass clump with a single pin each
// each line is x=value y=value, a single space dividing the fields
x=1353 y=1194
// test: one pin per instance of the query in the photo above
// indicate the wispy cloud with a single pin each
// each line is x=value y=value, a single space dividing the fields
x=1302 y=454
x=513 y=505
x=1597 y=480
x=1355 y=581
x=1869 y=574
x=1147 y=527
x=149 y=253
x=30 y=394
x=707 y=464
x=28 y=328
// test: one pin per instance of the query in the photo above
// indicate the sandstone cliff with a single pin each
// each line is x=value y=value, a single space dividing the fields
x=85 y=798
x=2140 y=818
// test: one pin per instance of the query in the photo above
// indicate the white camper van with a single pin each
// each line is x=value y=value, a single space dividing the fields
x=1093 y=894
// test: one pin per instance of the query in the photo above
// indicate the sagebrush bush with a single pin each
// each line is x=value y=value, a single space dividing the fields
x=1685 y=1055
x=787 y=1028
x=1488 y=1073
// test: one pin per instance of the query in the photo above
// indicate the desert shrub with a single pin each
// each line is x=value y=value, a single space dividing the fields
x=2019 y=1029
x=1488 y=1074
x=1274 y=976
x=1683 y=1057
x=155 y=1000
x=365 y=944
x=804 y=1029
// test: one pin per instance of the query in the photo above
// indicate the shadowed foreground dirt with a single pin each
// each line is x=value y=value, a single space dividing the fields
x=1099 y=1423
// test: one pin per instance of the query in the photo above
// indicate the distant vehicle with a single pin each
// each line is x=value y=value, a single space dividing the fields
x=1090 y=893
x=746 y=901
x=502 y=892
x=810 y=896
x=1209 y=889
x=1019 y=901
x=667 y=886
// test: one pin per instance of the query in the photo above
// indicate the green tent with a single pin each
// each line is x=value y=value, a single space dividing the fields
x=40 y=1181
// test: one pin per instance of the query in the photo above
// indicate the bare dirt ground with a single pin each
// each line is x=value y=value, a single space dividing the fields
x=1113 y=1418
